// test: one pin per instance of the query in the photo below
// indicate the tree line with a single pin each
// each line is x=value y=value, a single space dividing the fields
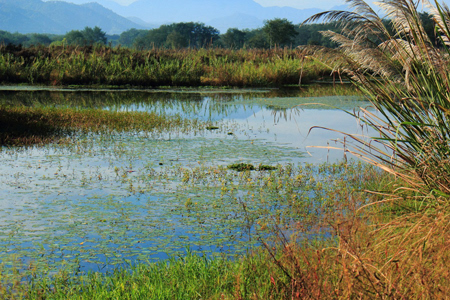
x=274 y=33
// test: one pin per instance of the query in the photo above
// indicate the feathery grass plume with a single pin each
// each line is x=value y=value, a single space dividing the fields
x=406 y=78
x=398 y=249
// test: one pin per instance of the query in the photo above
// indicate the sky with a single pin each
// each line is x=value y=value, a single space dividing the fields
x=293 y=3
x=301 y=4
x=324 y=4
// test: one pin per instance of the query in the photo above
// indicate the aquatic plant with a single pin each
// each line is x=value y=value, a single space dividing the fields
x=21 y=125
x=241 y=167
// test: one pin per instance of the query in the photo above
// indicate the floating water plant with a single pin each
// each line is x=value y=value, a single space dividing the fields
x=241 y=167
x=266 y=168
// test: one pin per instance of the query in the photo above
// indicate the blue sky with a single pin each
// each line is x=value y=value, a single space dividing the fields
x=323 y=4
x=293 y=3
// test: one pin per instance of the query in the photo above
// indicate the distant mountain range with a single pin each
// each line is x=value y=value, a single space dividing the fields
x=58 y=17
x=36 y=16
x=222 y=14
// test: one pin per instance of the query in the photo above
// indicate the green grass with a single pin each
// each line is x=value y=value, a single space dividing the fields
x=189 y=277
x=20 y=125
x=104 y=66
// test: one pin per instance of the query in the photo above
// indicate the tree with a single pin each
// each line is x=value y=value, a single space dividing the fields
x=75 y=37
x=94 y=35
x=88 y=36
x=178 y=35
x=176 y=40
x=234 y=38
x=5 y=37
x=128 y=38
x=197 y=34
x=279 y=31
x=257 y=39
x=39 y=39
x=153 y=38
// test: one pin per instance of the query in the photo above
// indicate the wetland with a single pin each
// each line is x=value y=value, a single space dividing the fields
x=103 y=197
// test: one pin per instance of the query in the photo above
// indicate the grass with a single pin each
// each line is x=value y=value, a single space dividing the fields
x=189 y=277
x=20 y=125
x=396 y=248
x=105 y=66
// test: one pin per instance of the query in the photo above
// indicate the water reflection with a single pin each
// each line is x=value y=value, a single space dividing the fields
x=106 y=199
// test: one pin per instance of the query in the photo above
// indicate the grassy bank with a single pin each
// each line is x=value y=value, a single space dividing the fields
x=100 y=66
x=20 y=125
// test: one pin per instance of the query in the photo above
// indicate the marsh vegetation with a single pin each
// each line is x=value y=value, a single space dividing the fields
x=127 y=178
x=106 y=66
x=136 y=193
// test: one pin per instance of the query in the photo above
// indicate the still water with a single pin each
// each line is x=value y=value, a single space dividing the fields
x=108 y=200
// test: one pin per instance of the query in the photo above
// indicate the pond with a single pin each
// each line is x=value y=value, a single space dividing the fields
x=108 y=200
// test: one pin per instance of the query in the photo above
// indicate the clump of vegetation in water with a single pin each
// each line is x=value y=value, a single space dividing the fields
x=240 y=167
x=21 y=125
x=266 y=168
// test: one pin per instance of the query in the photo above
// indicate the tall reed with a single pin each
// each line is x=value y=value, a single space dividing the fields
x=406 y=77
x=101 y=65
x=399 y=248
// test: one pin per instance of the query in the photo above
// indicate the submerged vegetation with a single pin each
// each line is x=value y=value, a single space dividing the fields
x=292 y=200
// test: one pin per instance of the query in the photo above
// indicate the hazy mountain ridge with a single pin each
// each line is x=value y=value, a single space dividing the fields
x=60 y=16
x=210 y=12
x=36 y=16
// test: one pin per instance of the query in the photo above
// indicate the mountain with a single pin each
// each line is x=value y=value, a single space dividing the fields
x=222 y=14
x=238 y=20
x=211 y=12
x=59 y=17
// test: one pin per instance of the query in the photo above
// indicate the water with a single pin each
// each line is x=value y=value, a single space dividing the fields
x=118 y=199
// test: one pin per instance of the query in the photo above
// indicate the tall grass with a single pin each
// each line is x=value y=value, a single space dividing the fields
x=101 y=65
x=406 y=76
x=398 y=249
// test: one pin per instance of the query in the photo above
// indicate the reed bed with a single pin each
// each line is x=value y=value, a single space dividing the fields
x=106 y=66
x=22 y=126
x=396 y=247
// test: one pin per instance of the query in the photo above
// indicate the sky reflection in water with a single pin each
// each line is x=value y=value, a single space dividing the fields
x=113 y=200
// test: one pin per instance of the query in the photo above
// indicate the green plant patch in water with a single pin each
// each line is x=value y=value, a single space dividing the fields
x=240 y=167
x=266 y=168
x=212 y=128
